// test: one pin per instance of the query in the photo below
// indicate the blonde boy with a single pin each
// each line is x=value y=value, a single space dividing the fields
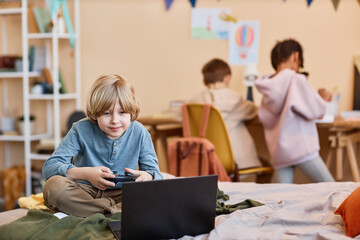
x=109 y=139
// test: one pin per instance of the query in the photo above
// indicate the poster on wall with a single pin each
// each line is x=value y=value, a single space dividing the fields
x=244 y=42
x=207 y=23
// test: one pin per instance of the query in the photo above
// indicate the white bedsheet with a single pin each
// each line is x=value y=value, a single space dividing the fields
x=291 y=211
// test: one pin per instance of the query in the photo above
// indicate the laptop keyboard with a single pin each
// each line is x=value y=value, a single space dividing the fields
x=115 y=228
x=117 y=234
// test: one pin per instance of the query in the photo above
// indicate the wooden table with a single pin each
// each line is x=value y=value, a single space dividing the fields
x=161 y=128
x=343 y=135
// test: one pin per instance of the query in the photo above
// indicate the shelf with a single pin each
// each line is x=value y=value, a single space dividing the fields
x=49 y=35
x=18 y=74
x=21 y=138
x=52 y=114
x=51 y=96
x=8 y=11
x=38 y=156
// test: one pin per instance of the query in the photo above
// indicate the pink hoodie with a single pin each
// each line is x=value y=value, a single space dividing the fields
x=288 y=111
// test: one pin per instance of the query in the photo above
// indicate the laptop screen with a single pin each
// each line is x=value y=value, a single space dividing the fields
x=172 y=208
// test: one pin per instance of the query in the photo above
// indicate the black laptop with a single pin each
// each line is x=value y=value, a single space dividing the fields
x=165 y=209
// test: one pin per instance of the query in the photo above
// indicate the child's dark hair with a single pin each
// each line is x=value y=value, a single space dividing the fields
x=215 y=71
x=283 y=50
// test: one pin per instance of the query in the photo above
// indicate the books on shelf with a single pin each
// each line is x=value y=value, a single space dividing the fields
x=33 y=27
x=49 y=80
x=43 y=19
x=47 y=75
x=62 y=84
x=37 y=58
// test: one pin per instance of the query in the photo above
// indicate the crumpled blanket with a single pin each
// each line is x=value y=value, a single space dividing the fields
x=38 y=224
x=222 y=208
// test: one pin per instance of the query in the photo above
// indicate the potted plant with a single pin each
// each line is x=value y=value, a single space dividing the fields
x=21 y=124
x=36 y=87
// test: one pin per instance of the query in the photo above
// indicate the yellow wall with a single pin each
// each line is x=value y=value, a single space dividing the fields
x=153 y=49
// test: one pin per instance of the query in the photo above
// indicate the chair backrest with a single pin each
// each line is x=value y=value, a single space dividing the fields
x=74 y=117
x=216 y=133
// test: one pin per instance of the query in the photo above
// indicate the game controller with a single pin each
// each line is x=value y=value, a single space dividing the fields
x=126 y=177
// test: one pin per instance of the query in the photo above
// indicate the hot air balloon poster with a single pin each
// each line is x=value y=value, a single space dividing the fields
x=206 y=23
x=244 y=42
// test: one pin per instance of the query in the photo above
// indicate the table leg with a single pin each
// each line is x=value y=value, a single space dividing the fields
x=329 y=158
x=339 y=162
x=352 y=160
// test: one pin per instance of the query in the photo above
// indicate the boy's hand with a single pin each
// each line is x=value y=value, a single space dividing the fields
x=142 y=175
x=96 y=175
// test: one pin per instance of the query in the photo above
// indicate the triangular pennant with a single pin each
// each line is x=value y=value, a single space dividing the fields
x=193 y=3
x=168 y=4
x=335 y=3
x=309 y=2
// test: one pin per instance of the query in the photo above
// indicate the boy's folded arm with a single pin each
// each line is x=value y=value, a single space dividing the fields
x=150 y=169
x=88 y=173
x=148 y=160
x=156 y=174
x=56 y=166
x=79 y=173
x=94 y=175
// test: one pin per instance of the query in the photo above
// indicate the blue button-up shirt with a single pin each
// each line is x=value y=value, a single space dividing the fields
x=86 y=145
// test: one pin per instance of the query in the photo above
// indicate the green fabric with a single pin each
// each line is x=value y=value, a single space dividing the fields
x=39 y=225
x=221 y=208
x=222 y=195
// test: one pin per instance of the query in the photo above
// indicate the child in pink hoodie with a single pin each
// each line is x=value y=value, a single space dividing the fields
x=288 y=112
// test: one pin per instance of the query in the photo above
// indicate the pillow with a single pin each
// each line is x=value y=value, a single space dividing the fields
x=349 y=211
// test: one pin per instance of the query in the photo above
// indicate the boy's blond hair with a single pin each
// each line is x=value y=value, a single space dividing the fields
x=105 y=91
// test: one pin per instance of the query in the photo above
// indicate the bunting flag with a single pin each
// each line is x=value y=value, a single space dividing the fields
x=335 y=3
x=356 y=103
x=193 y=3
x=168 y=4
x=54 y=8
x=309 y=2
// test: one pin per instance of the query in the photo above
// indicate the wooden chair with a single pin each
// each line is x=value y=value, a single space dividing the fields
x=217 y=133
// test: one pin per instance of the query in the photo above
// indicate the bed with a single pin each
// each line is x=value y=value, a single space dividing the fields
x=290 y=211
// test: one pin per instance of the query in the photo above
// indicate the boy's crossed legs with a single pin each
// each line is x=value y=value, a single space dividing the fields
x=79 y=199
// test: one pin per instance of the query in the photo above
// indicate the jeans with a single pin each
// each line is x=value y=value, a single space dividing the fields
x=315 y=169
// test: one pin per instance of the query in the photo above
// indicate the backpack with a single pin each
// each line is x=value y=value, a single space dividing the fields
x=194 y=156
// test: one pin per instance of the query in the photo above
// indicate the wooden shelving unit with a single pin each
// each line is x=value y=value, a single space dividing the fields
x=53 y=101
